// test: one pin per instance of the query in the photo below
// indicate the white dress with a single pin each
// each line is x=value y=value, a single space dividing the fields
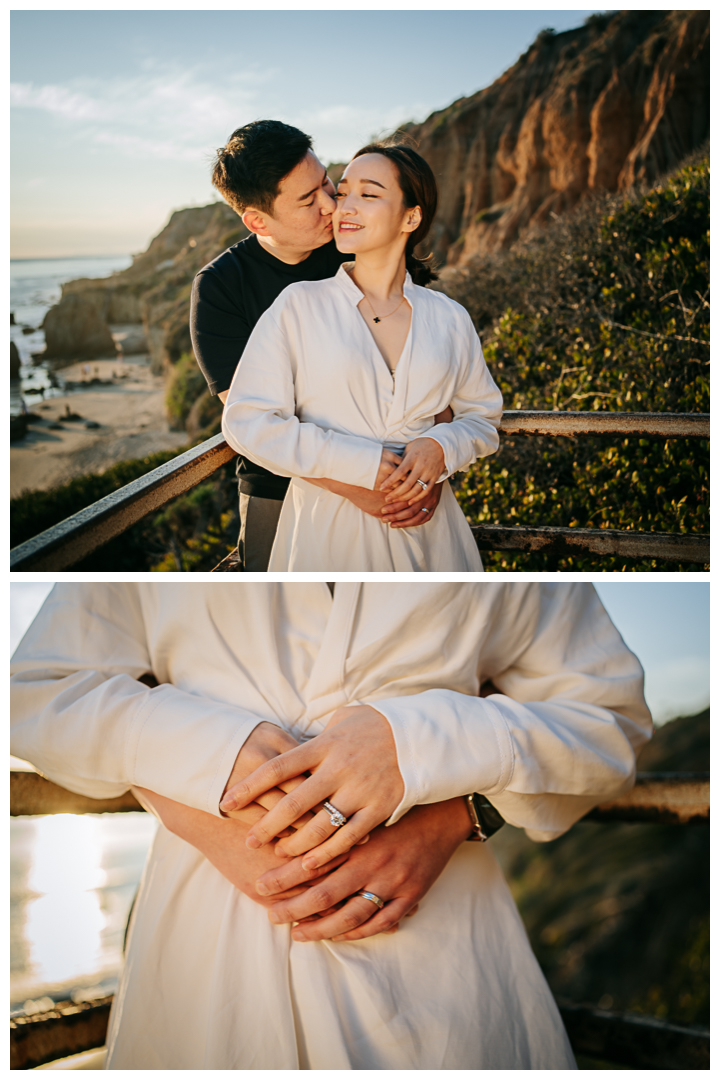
x=209 y=982
x=313 y=397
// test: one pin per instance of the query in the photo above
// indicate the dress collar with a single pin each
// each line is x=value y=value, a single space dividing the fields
x=349 y=287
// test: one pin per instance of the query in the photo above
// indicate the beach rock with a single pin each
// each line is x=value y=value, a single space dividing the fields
x=617 y=102
x=12 y=318
x=14 y=361
x=75 y=329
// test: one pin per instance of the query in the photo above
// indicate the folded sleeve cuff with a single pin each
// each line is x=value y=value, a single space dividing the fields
x=447 y=744
x=185 y=747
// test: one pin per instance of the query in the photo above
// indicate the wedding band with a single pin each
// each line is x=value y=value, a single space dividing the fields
x=422 y=484
x=424 y=511
x=371 y=896
x=336 y=817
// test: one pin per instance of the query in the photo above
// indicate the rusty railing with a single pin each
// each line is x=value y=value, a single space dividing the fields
x=71 y=540
x=638 y=1042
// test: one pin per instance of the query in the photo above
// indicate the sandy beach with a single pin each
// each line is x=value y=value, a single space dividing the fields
x=128 y=406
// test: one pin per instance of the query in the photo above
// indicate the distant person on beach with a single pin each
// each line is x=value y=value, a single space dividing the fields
x=269 y=175
x=350 y=378
x=386 y=725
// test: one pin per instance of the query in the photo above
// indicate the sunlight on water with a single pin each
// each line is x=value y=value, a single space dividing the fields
x=73 y=879
x=65 y=922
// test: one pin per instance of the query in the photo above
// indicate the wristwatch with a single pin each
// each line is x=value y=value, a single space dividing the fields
x=485 y=819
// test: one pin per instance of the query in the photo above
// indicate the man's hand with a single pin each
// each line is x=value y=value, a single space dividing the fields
x=398 y=864
x=222 y=842
x=398 y=515
x=404 y=515
x=353 y=764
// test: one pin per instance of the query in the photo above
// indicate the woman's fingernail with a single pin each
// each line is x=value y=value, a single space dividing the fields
x=261 y=889
x=228 y=803
x=298 y=935
x=309 y=864
x=252 y=842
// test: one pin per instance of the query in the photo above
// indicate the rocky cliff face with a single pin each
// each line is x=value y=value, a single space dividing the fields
x=153 y=293
x=619 y=101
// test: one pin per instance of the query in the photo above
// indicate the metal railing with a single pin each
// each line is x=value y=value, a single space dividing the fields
x=628 y=1039
x=71 y=540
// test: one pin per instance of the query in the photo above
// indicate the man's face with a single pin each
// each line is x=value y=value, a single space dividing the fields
x=302 y=213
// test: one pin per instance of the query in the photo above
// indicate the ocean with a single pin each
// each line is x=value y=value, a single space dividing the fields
x=35 y=285
x=73 y=878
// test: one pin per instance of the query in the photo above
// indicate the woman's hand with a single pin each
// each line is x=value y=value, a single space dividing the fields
x=265 y=742
x=388 y=464
x=398 y=864
x=423 y=460
x=353 y=764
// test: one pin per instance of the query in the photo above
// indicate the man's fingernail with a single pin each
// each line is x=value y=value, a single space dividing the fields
x=273 y=917
x=309 y=864
x=299 y=936
x=252 y=842
x=262 y=889
x=228 y=803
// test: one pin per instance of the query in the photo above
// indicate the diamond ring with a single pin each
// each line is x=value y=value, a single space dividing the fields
x=422 y=484
x=336 y=817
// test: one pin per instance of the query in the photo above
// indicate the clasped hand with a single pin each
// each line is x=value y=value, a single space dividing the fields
x=423 y=460
x=352 y=764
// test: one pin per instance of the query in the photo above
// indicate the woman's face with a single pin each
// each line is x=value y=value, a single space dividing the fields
x=371 y=213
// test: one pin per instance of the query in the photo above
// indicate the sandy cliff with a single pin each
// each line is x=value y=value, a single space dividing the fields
x=621 y=100
x=618 y=101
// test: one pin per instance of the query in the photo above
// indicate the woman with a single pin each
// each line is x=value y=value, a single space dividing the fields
x=210 y=982
x=342 y=380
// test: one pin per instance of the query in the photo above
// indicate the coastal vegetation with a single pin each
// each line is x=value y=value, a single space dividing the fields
x=607 y=308
x=618 y=914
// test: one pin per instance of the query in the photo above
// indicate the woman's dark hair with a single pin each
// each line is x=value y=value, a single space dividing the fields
x=249 y=168
x=418 y=186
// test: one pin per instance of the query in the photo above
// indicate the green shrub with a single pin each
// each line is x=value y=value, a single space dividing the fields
x=186 y=383
x=34 y=511
x=607 y=309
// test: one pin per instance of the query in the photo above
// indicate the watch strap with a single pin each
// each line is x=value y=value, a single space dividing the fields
x=484 y=817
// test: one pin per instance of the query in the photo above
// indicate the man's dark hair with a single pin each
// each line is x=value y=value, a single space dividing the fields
x=248 y=169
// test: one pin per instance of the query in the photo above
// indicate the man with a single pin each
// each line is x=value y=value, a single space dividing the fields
x=270 y=176
x=380 y=683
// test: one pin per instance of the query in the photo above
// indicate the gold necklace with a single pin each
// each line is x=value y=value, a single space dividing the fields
x=376 y=318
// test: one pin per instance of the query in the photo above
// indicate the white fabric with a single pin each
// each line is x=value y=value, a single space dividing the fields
x=209 y=983
x=313 y=397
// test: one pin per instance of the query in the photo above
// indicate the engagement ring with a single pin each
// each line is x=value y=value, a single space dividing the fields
x=336 y=817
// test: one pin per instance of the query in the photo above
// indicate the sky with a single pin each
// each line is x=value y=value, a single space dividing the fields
x=115 y=114
x=667 y=626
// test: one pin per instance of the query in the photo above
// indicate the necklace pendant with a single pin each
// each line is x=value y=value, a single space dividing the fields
x=376 y=319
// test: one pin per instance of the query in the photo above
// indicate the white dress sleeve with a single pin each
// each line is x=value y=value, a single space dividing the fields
x=477 y=410
x=259 y=417
x=560 y=737
x=82 y=718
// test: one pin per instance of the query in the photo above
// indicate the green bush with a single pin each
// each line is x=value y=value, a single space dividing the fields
x=186 y=383
x=34 y=511
x=607 y=309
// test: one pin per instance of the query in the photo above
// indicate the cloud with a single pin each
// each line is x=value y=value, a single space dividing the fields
x=54 y=99
x=167 y=113
x=176 y=113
